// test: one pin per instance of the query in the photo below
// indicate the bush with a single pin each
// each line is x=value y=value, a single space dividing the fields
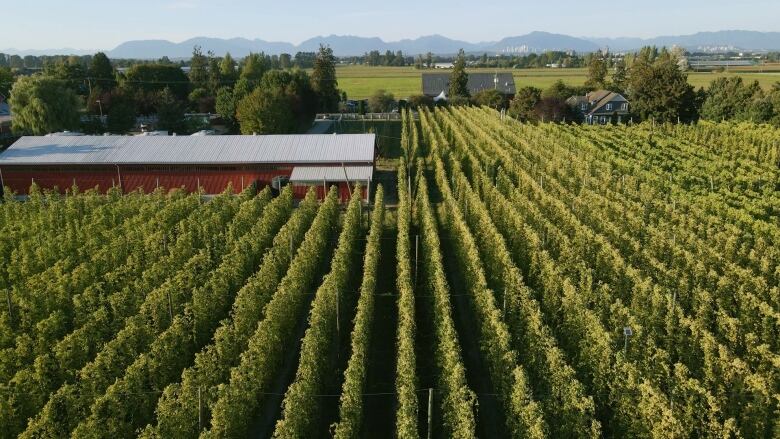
x=381 y=102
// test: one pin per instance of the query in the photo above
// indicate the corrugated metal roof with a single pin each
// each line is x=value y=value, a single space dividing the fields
x=435 y=83
x=318 y=174
x=311 y=148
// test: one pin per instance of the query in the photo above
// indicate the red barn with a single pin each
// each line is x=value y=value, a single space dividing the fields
x=207 y=163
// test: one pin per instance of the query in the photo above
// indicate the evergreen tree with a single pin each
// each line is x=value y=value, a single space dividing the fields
x=597 y=71
x=659 y=90
x=170 y=112
x=253 y=68
x=620 y=78
x=227 y=68
x=199 y=69
x=459 y=79
x=324 y=82
x=102 y=72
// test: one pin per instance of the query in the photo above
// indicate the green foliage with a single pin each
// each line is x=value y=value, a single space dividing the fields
x=597 y=71
x=266 y=112
x=731 y=99
x=7 y=79
x=102 y=72
x=170 y=112
x=239 y=398
x=459 y=79
x=150 y=79
x=381 y=102
x=43 y=105
x=490 y=98
x=324 y=82
x=351 y=401
x=300 y=412
x=523 y=104
x=658 y=90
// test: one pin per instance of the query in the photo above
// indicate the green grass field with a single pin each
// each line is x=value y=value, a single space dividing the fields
x=360 y=81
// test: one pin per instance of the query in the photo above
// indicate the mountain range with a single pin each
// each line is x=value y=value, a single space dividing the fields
x=347 y=45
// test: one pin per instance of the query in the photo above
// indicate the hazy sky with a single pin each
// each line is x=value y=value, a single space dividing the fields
x=102 y=24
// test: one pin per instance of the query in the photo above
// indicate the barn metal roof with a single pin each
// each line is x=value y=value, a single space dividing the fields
x=435 y=83
x=188 y=150
x=331 y=173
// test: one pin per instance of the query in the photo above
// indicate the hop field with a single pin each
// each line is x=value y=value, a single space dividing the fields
x=531 y=281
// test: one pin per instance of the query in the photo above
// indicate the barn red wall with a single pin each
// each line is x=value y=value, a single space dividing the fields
x=213 y=182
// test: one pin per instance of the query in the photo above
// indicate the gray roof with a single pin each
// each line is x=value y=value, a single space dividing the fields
x=91 y=150
x=331 y=173
x=434 y=83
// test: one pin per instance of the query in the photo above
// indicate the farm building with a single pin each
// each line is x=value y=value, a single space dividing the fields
x=600 y=107
x=207 y=163
x=438 y=84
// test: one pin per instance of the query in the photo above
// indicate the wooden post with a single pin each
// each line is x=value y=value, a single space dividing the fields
x=430 y=413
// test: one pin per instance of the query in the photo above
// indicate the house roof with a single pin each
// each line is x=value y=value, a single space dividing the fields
x=318 y=174
x=125 y=150
x=596 y=100
x=435 y=83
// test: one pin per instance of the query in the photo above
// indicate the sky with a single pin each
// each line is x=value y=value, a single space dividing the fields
x=103 y=24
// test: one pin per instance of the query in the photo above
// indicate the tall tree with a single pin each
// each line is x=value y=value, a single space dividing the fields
x=620 y=77
x=324 y=82
x=659 y=90
x=253 y=67
x=266 y=112
x=226 y=105
x=522 y=106
x=102 y=72
x=199 y=68
x=227 y=68
x=597 y=71
x=170 y=112
x=731 y=98
x=43 y=105
x=6 y=82
x=285 y=61
x=459 y=79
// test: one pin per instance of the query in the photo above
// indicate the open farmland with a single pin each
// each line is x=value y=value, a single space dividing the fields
x=362 y=81
x=531 y=281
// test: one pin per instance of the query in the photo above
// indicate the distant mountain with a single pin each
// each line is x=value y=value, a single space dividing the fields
x=152 y=49
x=705 y=41
x=541 y=42
x=44 y=52
x=348 y=45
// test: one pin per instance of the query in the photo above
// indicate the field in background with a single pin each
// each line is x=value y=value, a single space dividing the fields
x=361 y=81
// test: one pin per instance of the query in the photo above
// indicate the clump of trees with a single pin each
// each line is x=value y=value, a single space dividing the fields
x=90 y=95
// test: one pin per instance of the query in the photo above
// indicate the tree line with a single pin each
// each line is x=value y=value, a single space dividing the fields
x=258 y=94
x=653 y=80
